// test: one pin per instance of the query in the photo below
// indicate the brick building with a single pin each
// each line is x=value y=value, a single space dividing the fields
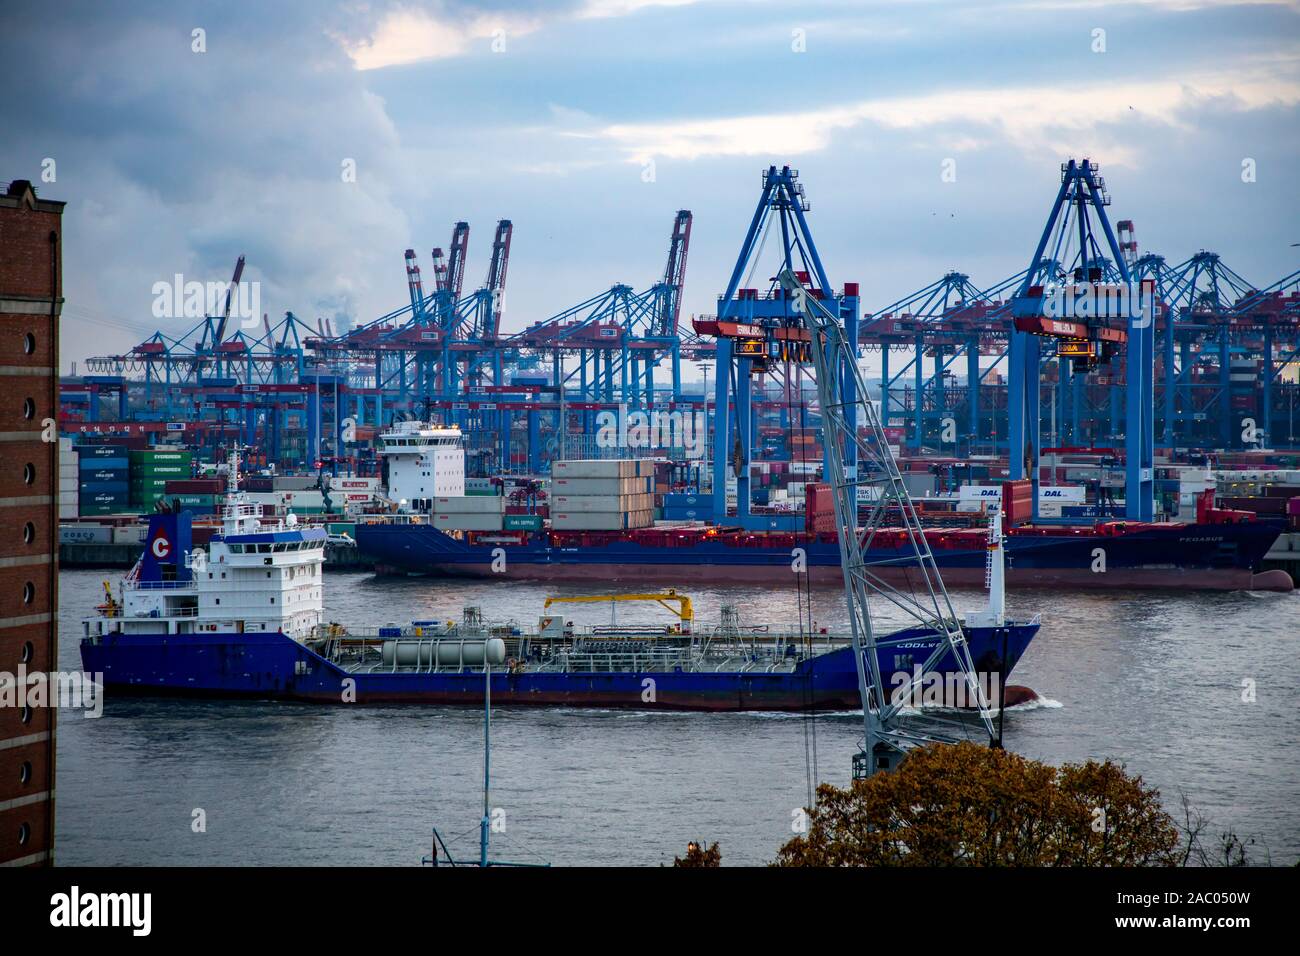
x=31 y=264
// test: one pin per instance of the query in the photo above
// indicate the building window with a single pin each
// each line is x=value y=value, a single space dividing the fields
x=25 y=656
x=25 y=715
x=25 y=772
x=29 y=409
x=29 y=473
x=24 y=834
x=218 y=600
x=29 y=533
x=29 y=592
x=29 y=343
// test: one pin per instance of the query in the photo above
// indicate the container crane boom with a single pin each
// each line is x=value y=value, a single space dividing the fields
x=219 y=337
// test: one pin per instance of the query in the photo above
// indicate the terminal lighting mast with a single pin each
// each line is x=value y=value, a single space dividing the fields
x=853 y=432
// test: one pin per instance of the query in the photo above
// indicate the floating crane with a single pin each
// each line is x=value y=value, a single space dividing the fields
x=854 y=432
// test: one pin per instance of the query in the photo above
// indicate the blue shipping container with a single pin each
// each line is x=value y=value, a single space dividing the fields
x=102 y=451
x=103 y=474
x=123 y=463
x=108 y=487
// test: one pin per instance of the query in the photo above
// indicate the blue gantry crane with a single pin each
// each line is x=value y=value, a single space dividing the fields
x=762 y=330
x=1093 y=315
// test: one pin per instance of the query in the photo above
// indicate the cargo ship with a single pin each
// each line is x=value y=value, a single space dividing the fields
x=244 y=618
x=1211 y=555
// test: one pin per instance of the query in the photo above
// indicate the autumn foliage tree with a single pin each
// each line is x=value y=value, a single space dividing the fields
x=964 y=805
x=699 y=857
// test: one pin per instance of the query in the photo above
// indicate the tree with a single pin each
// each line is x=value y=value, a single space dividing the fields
x=963 y=805
x=697 y=856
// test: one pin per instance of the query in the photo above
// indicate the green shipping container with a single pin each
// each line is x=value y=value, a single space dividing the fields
x=156 y=455
x=521 y=522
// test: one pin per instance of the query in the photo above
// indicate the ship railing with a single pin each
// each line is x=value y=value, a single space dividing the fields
x=138 y=585
x=158 y=613
x=622 y=663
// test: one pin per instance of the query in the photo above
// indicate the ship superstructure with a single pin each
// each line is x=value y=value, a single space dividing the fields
x=256 y=575
x=422 y=462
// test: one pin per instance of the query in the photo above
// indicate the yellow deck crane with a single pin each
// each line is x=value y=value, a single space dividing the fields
x=684 y=611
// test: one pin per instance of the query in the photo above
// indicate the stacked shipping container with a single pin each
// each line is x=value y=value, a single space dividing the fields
x=602 y=494
x=103 y=479
x=152 y=468
x=69 y=479
x=468 y=512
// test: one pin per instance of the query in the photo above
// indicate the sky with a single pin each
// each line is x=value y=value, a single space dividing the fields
x=322 y=139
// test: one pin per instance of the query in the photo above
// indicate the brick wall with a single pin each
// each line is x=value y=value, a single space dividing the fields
x=31 y=272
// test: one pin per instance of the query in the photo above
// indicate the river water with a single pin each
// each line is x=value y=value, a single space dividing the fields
x=1197 y=692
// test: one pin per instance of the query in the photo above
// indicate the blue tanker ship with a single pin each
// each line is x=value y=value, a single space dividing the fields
x=244 y=618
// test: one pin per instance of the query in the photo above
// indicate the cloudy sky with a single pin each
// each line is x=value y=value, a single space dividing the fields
x=589 y=122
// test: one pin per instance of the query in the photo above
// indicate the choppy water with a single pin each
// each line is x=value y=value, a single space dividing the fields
x=1152 y=679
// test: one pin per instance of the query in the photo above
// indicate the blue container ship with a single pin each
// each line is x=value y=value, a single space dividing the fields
x=1115 y=554
x=244 y=618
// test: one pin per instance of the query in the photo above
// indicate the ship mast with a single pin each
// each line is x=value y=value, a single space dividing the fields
x=841 y=392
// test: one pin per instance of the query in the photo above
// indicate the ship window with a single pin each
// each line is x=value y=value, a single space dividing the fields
x=219 y=599
x=263 y=549
x=272 y=600
x=209 y=575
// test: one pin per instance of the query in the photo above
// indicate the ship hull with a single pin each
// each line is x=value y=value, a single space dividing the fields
x=273 y=666
x=1206 y=557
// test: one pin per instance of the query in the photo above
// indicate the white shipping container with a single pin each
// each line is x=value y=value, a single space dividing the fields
x=595 y=468
x=131 y=534
x=353 y=484
x=467 y=522
x=85 y=534
x=601 y=486
x=1063 y=494
x=469 y=505
x=591 y=521
x=581 y=504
